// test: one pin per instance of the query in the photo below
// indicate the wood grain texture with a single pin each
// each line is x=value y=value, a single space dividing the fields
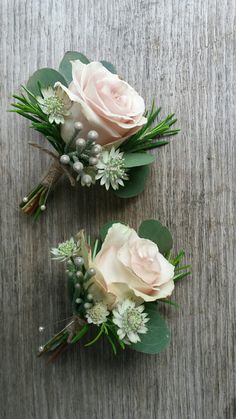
x=184 y=51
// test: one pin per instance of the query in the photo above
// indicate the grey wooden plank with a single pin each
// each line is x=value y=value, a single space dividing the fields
x=184 y=51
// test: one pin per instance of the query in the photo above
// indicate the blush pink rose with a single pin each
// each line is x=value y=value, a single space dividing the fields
x=133 y=267
x=102 y=102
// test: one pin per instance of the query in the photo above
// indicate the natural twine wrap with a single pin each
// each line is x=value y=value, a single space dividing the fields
x=53 y=174
x=55 y=171
x=74 y=327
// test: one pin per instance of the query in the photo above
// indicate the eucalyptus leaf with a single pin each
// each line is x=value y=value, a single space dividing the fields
x=45 y=77
x=105 y=228
x=158 y=335
x=136 y=183
x=137 y=159
x=109 y=66
x=65 y=67
x=157 y=233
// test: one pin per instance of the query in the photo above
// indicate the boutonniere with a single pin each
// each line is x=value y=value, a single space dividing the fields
x=97 y=126
x=116 y=285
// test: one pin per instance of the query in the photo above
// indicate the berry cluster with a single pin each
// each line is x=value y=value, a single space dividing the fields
x=84 y=158
x=78 y=278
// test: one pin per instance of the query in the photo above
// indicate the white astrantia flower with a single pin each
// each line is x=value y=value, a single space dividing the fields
x=97 y=314
x=65 y=250
x=55 y=103
x=131 y=321
x=111 y=169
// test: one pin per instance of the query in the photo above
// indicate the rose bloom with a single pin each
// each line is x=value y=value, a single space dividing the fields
x=131 y=267
x=102 y=102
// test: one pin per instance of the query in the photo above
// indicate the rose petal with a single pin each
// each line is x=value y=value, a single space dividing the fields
x=165 y=291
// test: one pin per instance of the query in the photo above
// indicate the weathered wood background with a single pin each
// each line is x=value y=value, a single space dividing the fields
x=183 y=52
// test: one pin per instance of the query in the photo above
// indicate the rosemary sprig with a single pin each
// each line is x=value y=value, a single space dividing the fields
x=178 y=278
x=28 y=107
x=148 y=137
x=108 y=330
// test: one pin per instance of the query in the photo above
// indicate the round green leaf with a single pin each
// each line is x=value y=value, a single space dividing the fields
x=157 y=233
x=109 y=66
x=136 y=183
x=65 y=67
x=158 y=335
x=44 y=78
x=137 y=159
x=105 y=228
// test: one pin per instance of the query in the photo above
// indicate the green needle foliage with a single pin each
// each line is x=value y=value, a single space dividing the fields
x=148 y=137
x=178 y=268
x=109 y=330
x=178 y=274
x=28 y=107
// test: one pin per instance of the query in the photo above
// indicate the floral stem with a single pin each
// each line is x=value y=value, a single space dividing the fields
x=70 y=334
x=96 y=338
x=34 y=203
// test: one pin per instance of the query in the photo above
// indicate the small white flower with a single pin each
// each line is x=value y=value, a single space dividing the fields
x=55 y=103
x=97 y=314
x=130 y=321
x=111 y=170
x=65 y=250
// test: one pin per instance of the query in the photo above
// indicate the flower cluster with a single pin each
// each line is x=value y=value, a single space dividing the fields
x=97 y=314
x=65 y=250
x=111 y=169
x=128 y=319
x=55 y=103
x=92 y=163
x=131 y=321
x=97 y=124
x=113 y=287
x=84 y=157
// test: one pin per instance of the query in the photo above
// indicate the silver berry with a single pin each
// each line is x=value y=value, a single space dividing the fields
x=77 y=286
x=78 y=300
x=86 y=180
x=93 y=161
x=89 y=297
x=78 y=166
x=87 y=306
x=43 y=207
x=41 y=348
x=41 y=329
x=78 y=126
x=92 y=135
x=96 y=149
x=25 y=199
x=79 y=275
x=79 y=261
x=91 y=272
x=64 y=159
x=80 y=143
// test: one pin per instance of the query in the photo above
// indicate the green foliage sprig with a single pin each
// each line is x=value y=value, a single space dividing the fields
x=28 y=107
x=148 y=137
